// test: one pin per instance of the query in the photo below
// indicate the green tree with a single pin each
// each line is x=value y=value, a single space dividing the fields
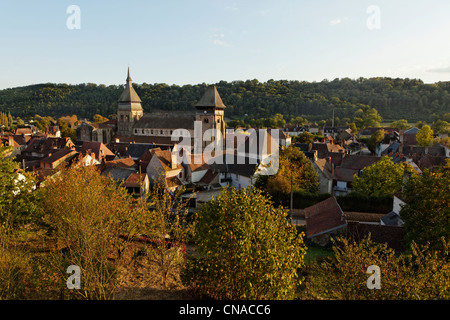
x=375 y=139
x=69 y=133
x=427 y=210
x=16 y=196
x=425 y=136
x=383 y=178
x=247 y=248
x=441 y=126
x=401 y=124
x=419 y=274
x=353 y=128
x=305 y=137
x=98 y=118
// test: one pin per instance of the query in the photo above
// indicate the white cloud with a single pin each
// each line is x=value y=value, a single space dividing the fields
x=221 y=43
x=440 y=70
x=338 y=21
x=232 y=7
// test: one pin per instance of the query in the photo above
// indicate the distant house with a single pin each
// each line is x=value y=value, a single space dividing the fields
x=410 y=136
x=96 y=150
x=164 y=163
x=324 y=170
x=24 y=131
x=393 y=218
x=321 y=150
x=195 y=171
x=58 y=158
x=324 y=220
x=97 y=132
x=292 y=130
x=137 y=150
x=350 y=165
x=137 y=183
x=43 y=147
x=53 y=131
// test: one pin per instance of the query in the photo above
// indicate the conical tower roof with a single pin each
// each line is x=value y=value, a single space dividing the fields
x=211 y=99
x=129 y=94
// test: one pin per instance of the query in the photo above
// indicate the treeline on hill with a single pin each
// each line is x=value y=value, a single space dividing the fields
x=409 y=99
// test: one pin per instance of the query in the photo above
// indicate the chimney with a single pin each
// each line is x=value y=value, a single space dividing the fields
x=11 y=141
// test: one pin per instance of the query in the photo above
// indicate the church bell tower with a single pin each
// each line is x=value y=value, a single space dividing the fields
x=210 y=111
x=130 y=109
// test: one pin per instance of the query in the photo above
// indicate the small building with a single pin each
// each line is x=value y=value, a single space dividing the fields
x=137 y=184
x=324 y=220
x=58 y=158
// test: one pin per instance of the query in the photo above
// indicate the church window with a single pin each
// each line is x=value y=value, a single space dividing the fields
x=206 y=120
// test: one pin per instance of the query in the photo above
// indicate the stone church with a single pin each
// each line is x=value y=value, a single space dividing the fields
x=157 y=128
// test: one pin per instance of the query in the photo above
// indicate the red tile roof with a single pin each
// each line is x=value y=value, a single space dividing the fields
x=209 y=176
x=122 y=163
x=98 y=148
x=324 y=217
x=134 y=180
x=59 y=155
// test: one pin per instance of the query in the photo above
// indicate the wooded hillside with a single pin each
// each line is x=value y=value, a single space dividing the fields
x=409 y=99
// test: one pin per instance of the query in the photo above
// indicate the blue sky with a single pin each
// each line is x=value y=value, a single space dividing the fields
x=195 y=41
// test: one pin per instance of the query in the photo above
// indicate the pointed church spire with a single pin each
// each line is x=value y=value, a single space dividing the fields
x=129 y=94
x=211 y=99
x=129 y=77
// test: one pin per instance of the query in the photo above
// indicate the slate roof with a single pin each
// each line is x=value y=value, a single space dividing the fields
x=412 y=131
x=47 y=145
x=118 y=174
x=129 y=95
x=393 y=147
x=392 y=219
x=211 y=98
x=169 y=120
x=136 y=150
x=324 y=217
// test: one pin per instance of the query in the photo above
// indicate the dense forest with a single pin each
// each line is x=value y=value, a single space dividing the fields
x=394 y=99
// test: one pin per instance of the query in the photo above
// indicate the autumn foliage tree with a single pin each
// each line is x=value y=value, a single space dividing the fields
x=247 y=248
x=86 y=213
x=427 y=210
x=420 y=273
x=166 y=226
x=294 y=167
